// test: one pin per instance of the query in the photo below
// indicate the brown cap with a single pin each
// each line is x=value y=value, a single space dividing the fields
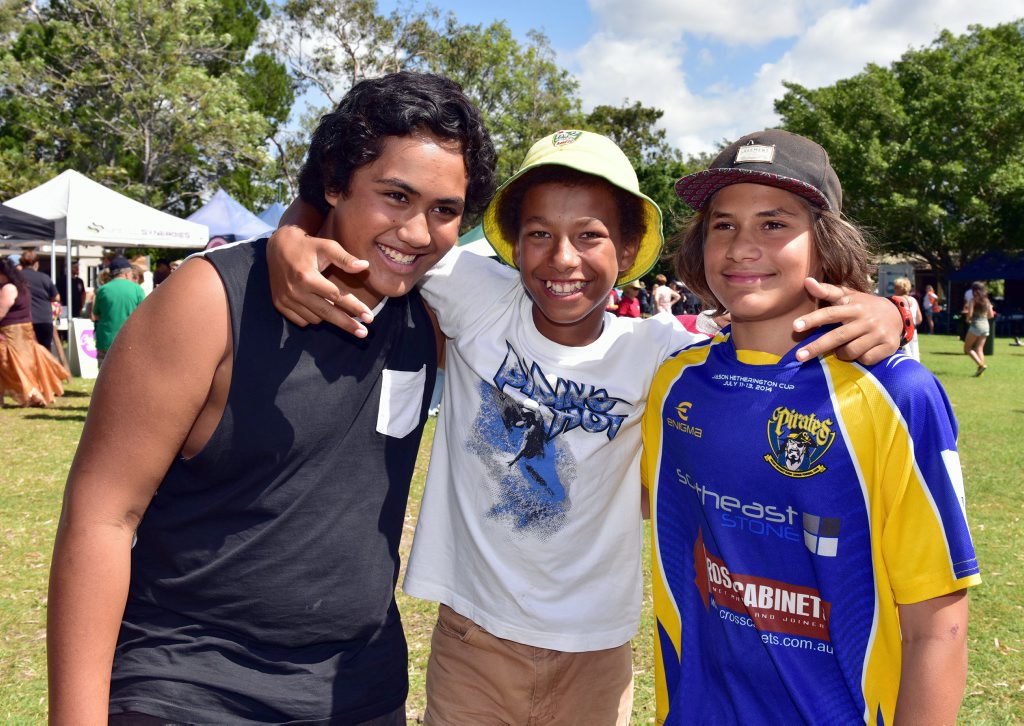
x=772 y=157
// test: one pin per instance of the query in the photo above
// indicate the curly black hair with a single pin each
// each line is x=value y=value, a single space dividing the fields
x=397 y=104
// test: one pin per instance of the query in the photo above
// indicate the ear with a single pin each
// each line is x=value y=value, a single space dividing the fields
x=515 y=254
x=331 y=197
x=627 y=255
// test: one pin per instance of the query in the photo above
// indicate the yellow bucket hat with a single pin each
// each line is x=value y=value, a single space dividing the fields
x=592 y=154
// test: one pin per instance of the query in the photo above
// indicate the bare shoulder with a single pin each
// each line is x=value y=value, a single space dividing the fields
x=154 y=383
x=162 y=365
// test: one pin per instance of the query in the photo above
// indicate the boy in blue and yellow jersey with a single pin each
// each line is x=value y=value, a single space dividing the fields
x=811 y=550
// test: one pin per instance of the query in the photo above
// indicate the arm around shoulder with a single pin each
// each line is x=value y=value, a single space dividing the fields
x=152 y=387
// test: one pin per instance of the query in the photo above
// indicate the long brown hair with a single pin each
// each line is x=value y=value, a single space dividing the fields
x=979 y=298
x=841 y=247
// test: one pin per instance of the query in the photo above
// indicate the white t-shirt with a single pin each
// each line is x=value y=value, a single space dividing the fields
x=530 y=523
x=663 y=299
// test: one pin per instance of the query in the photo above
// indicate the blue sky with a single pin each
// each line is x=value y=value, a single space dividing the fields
x=716 y=66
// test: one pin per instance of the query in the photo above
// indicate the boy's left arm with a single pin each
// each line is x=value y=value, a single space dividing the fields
x=934 y=669
x=871 y=325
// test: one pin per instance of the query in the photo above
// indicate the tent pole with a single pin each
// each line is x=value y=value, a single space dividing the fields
x=67 y=276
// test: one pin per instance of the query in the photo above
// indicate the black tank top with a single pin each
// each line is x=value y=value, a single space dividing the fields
x=263 y=577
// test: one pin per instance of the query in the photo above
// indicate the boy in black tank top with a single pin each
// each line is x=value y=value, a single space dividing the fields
x=268 y=506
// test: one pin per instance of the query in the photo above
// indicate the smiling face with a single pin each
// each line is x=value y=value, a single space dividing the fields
x=569 y=255
x=758 y=250
x=401 y=213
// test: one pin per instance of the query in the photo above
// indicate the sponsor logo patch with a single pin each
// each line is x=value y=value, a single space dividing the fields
x=564 y=138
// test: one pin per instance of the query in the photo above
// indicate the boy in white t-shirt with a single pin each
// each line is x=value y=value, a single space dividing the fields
x=530 y=528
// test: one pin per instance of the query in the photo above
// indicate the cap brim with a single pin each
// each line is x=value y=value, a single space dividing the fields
x=698 y=188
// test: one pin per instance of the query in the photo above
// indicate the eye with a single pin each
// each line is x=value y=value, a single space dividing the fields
x=722 y=225
x=396 y=196
x=774 y=225
x=448 y=211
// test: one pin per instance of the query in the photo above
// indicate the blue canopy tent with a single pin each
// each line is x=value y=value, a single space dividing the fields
x=998 y=265
x=994 y=265
x=228 y=219
x=272 y=214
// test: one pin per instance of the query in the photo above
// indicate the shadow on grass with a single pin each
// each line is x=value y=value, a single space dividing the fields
x=75 y=394
x=70 y=408
x=77 y=418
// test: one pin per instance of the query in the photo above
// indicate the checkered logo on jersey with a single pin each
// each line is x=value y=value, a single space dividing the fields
x=821 y=534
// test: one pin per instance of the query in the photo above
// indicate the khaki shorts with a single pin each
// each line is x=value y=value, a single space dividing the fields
x=477 y=679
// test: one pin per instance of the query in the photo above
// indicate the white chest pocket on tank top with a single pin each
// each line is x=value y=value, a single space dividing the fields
x=401 y=401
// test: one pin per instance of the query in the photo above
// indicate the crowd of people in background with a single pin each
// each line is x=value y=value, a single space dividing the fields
x=33 y=366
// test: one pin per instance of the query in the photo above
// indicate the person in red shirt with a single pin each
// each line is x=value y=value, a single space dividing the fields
x=629 y=304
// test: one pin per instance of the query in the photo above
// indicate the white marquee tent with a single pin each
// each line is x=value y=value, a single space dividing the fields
x=86 y=211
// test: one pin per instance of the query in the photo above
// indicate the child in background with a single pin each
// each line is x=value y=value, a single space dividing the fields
x=530 y=528
x=901 y=288
x=629 y=305
x=811 y=552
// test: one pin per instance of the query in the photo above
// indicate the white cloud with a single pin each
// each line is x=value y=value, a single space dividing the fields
x=743 y=22
x=642 y=51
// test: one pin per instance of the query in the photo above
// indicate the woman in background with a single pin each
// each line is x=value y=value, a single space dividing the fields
x=28 y=372
x=978 y=311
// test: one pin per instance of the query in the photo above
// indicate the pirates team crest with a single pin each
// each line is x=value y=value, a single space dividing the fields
x=798 y=442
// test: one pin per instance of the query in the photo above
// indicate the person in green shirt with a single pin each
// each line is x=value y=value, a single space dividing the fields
x=115 y=301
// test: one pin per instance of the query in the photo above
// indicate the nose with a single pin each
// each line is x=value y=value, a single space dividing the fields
x=743 y=245
x=414 y=231
x=563 y=254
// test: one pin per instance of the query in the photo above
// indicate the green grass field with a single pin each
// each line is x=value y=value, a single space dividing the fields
x=39 y=444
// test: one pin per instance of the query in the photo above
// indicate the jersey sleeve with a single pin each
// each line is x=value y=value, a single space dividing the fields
x=462 y=286
x=926 y=543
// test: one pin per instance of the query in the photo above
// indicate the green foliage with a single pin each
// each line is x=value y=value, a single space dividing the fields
x=521 y=91
x=331 y=45
x=121 y=91
x=632 y=127
x=929 y=150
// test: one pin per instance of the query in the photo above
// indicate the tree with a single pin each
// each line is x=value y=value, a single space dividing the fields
x=520 y=90
x=122 y=91
x=269 y=90
x=330 y=45
x=929 y=150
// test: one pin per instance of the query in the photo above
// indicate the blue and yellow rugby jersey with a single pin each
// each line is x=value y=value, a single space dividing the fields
x=794 y=506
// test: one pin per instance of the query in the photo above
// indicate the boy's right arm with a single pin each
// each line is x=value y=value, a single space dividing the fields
x=152 y=387
x=933 y=672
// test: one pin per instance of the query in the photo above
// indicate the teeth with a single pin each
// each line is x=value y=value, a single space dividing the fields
x=565 y=288
x=393 y=254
